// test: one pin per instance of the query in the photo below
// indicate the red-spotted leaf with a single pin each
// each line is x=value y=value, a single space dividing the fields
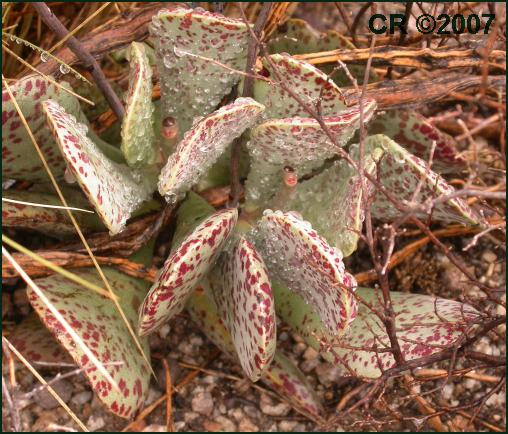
x=308 y=82
x=242 y=293
x=204 y=143
x=184 y=268
x=138 y=136
x=185 y=40
x=299 y=143
x=33 y=340
x=19 y=158
x=96 y=321
x=412 y=131
x=401 y=172
x=332 y=202
x=281 y=375
x=112 y=188
x=425 y=325
x=296 y=36
x=298 y=257
x=24 y=213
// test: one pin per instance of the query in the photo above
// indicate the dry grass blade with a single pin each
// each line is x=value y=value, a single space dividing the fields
x=50 y=389
x=78 y=28
x=42 y=205
x=4 y=46
x=44 y=53
x=67 y=274
x=58 y=316
x=169 y=397
x=76 y=225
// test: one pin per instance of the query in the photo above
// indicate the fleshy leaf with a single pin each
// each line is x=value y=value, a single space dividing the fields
x=138 y=138
x=296 y=36
x=308 y=82
x=332 y=202
x=19 y=159
x=96 y=320
x=424 y=324
x=111 y=188
x=204 y=143
x=194 y=86
x=296 y=142
x=400 y=172
x=243 y=295
x=184 y=268
x=50 y=221
x=32 y=339
x=298 y=257
x=412 y=131
x=282 y=376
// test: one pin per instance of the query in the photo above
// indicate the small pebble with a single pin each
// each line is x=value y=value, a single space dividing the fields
x=310 y=354
x=95 y=423
x=489 y=256
x=246 y=425
x=202 y=403
x=82 y=397
x=63 y=388
x=287 y=425
x=154 y=428
x=271 y=408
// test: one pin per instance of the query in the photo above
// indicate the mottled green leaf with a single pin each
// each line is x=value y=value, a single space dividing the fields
x=112 y=188
x=401 y=172
x=184 y=268
x=96 y=321
x=308 y=82
x=416 y=134
x=299 y=143
x=425 y=325
x=299 y=258
x=19 y=157
x=194 y=86
x=241 y=290
x=33 y=340
x=333 y=202
x=296 y=36
x=282 y=376
x=138 y=138
x=204 y=143
x=50 y=221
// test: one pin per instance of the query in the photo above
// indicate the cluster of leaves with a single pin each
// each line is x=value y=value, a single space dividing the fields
x=235 y=273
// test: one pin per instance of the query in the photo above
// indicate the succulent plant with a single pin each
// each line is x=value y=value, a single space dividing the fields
x=280 y=254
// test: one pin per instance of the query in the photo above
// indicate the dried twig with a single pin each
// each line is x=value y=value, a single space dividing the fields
x=82 y=53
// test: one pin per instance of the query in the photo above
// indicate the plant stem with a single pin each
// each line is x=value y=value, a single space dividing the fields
x=248 y=85
x=51 y=20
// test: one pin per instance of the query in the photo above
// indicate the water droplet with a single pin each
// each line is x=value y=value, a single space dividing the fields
x=64 y=69
x=44 y=56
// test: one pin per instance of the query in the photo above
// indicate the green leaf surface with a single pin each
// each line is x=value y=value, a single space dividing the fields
x=138 y=137
x=425 y=325
x=194 y=86
x=242 y=292
x=184 y=268
x=308 y=82
x=96 y=321
x=299 y=258
x=50 y=221
x=401 y=172
x=112 y=188
x=282 y=376
x=296 y=36
x=332 y=202
x=19 y=158
x=33 y=340
x=203 y=144
x=299 y=143
x=416 y=134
